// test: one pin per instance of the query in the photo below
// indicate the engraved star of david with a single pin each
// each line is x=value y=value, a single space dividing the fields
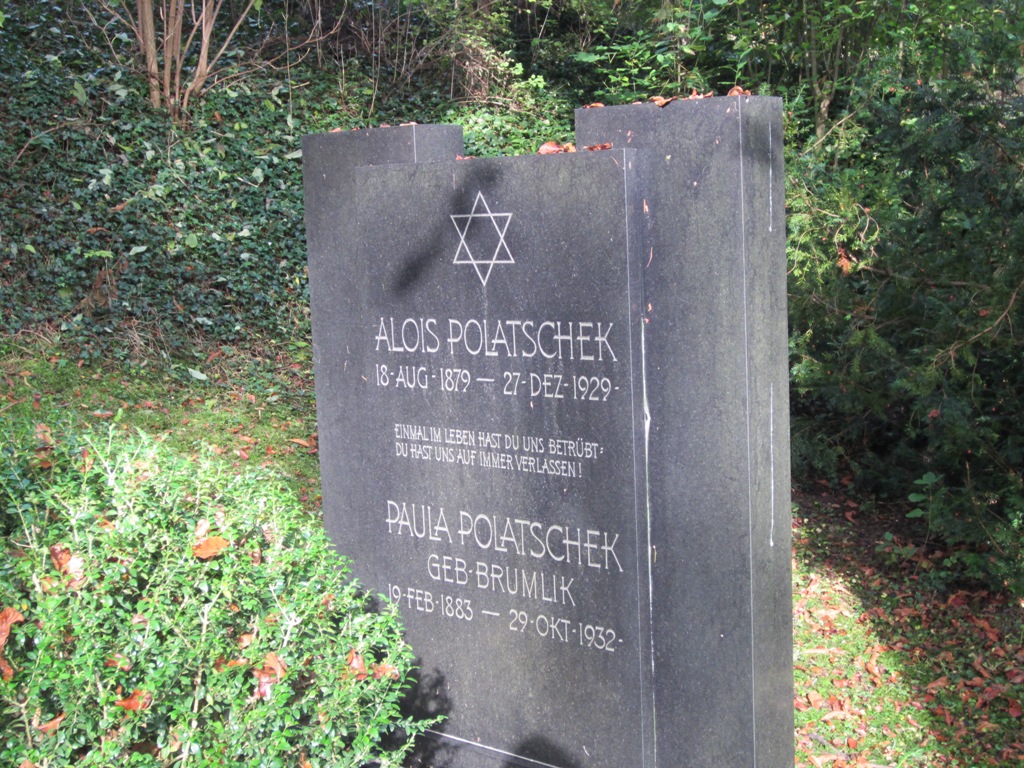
x=499 y=221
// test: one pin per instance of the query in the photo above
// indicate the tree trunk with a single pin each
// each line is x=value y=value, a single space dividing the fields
x=147 y=41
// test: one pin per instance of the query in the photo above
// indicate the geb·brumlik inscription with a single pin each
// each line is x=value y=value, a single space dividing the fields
x=459 y=583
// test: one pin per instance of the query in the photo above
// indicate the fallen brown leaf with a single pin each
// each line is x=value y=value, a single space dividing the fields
x=384 y=669
x=120 y=661
x=51 y=727
x=70 y=565
x=8 y=616
x=210 y=547
x=356 y=666
x=273 y=670
x=137 y=701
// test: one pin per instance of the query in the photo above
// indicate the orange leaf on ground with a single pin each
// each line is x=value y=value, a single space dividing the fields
x=942 y=682
x=138 y=700
x=54 y=724
x=210 y=547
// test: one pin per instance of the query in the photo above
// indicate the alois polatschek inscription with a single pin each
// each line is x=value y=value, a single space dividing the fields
x=480 y=413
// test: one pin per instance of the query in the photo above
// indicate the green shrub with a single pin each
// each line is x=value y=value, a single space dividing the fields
x=160 y=609
x=905 y=230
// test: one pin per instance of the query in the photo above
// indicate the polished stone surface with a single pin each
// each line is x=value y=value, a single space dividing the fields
x=553 y=418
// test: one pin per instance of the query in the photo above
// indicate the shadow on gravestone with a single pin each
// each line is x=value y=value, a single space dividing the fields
x=427 y=699
x=414 y=269
x=540 y=750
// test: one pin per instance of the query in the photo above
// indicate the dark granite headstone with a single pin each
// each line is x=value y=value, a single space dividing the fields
x=553 y=423
x=717 y=372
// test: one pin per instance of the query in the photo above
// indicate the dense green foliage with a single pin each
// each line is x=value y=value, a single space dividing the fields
x=162 y=608
x=133 y=233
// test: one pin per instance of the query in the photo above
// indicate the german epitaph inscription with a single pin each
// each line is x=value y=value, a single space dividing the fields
x=513 y=452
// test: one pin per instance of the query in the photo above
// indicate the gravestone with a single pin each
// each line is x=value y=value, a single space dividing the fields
x=553 y=419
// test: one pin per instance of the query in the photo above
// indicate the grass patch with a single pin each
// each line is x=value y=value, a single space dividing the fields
x=250 y=410
x=891 y=670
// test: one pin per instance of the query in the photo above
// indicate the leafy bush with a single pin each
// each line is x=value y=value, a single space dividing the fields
x=159 y=609
x=905 y=230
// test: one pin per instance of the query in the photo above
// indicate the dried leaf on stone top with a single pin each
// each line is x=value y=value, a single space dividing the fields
x=52 y=726
x=593 y=105
x=139 y=700
x=549 y=148
x=662 y=101
x=599 y=147
x=737 y=90
x=210 y=547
